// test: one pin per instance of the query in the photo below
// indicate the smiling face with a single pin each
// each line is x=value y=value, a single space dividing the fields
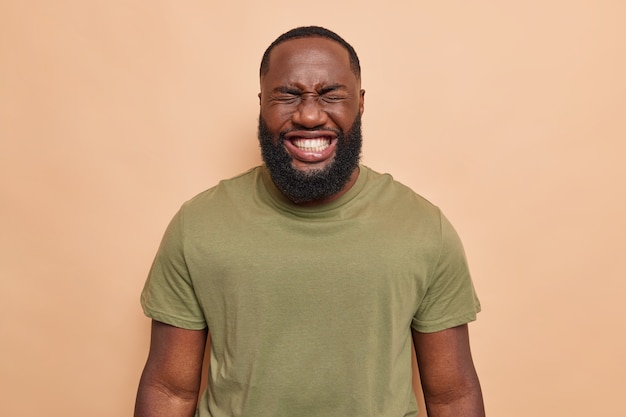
x=311 y=103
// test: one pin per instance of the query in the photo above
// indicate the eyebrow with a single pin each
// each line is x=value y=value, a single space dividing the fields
x=287 y=90
x=332 y=87
x=297 y=90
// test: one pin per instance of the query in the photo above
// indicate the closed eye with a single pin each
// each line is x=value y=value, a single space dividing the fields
x=333 y=98
x=286 y=98
x=286 y=95
x=333 y=93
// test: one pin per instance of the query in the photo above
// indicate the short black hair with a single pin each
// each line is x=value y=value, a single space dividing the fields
x=311 y=32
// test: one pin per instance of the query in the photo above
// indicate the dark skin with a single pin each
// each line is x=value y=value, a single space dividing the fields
x=171 y=379
x=309 y=85
x=449 y=380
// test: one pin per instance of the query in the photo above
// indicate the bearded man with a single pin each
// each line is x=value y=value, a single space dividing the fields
x=314 y=275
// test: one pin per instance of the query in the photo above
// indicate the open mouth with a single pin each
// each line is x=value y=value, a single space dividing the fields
x=311 y=145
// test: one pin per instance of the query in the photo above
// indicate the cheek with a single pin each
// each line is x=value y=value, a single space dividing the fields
x=344 y=118
x=275 y=118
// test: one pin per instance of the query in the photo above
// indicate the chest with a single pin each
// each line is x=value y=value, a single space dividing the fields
x=359 y=270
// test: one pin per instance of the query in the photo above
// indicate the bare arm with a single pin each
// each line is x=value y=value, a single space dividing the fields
x=449 y=380
x=171 y=378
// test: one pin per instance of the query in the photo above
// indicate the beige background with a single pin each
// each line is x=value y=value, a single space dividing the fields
x=509 y=115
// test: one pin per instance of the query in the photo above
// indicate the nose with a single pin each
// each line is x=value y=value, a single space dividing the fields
x=310 y=113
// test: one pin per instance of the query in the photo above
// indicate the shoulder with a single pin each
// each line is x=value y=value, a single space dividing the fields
x=383 y=189
x=220 y=201
x=226 y=189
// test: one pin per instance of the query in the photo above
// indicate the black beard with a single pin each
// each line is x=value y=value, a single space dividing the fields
x=303 y=187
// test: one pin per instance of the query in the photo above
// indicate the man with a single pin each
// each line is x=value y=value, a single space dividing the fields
x=312 y=273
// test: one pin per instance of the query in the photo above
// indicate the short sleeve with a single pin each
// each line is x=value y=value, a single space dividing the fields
x=450 y=299
x=168 y=295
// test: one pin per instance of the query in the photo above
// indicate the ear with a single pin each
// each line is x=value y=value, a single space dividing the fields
x=362 y=102
x=259 y=98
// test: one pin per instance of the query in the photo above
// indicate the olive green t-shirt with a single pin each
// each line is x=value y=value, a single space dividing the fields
x=310 y=309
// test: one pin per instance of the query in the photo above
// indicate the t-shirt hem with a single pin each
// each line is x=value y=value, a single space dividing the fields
x=431 y=327
x=174 y=321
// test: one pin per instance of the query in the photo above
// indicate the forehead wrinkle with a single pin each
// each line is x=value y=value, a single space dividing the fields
x=322 y=86
x=309 y=65
x=310 y=52
x=318 y=76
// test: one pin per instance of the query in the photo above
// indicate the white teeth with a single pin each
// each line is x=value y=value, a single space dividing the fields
x=312 y=145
